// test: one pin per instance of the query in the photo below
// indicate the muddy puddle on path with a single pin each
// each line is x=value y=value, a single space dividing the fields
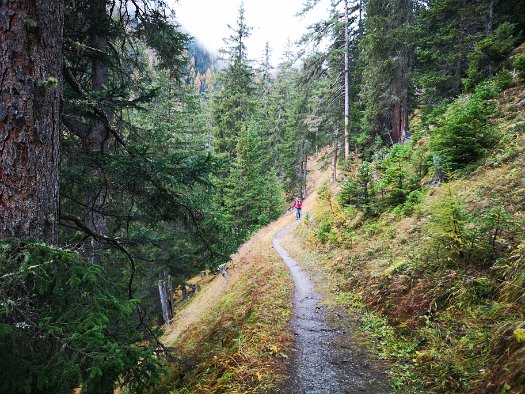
x=326 y=358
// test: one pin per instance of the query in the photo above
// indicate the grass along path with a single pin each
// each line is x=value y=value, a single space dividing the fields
x=234 y=335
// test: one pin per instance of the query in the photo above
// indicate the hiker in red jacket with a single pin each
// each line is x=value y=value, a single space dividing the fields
x=297 y=204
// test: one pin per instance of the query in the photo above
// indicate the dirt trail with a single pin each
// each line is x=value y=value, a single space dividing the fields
x=326 y=358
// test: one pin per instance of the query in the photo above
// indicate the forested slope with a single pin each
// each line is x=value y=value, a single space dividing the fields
x=443 y=271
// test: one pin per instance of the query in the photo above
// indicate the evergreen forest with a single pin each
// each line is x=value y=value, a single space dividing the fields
x=146 y=182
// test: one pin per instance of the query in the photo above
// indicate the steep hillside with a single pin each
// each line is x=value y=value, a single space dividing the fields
x=233 y=336
x=444 y=272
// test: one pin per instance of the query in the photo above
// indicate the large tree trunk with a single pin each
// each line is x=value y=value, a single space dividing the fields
x=347 y=85
x=30 y=94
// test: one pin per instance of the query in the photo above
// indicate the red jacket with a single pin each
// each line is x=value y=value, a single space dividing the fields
x=298 y=204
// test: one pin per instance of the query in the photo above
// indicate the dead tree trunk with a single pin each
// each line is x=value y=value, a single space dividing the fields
x=30 y=94
x=169 y=291
x=183 y=288
x=164 y=303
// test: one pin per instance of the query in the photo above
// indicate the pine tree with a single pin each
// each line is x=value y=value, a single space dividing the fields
x=233 y=104
x=387 y=55
x=254 y=195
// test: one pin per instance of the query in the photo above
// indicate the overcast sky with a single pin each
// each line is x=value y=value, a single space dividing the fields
x=272 y=20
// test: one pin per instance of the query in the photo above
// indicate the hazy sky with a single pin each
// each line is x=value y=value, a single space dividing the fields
x=272 y=20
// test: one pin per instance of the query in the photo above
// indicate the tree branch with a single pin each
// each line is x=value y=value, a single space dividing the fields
x=113 y=241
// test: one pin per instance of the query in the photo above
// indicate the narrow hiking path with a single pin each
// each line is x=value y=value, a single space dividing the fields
x=326 y=358
x=269 y=329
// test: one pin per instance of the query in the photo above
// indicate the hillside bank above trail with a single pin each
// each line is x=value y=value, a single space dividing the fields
x=444 y=268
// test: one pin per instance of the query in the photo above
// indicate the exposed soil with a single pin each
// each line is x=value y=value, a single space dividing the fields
x=326 y=357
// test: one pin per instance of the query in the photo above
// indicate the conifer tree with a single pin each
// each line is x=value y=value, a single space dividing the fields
x=233 y=104
x=387 y=56
x=254 y=195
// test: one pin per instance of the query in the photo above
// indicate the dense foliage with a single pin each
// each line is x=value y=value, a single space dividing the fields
x=65 y=324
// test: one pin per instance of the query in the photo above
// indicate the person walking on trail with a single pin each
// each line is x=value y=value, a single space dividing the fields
x=297 y=204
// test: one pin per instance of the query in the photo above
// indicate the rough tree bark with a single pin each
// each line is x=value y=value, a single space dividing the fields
x=30 y=94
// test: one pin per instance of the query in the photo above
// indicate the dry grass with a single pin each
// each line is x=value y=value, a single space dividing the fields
x=235 y=331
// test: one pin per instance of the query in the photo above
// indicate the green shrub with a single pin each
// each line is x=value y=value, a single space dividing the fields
x=519 y=65
x=411 y=204
x=323 y=233
x=490 y=227
x=447 y=228
x=503 y=80
x=360 y=189
x=490 y=55
x=464 y=132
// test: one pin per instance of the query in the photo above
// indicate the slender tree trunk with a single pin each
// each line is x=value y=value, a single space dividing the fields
x=347 y=84
x=336 y=149
x=360 y=17
x=404 y=120
x=164 y=303
x=305 y=173
x=490 y=24
x=96 y=139
x=396 y=129
x=30 y=94
x=300 y=177
x=169 y=292
x=183 y=288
